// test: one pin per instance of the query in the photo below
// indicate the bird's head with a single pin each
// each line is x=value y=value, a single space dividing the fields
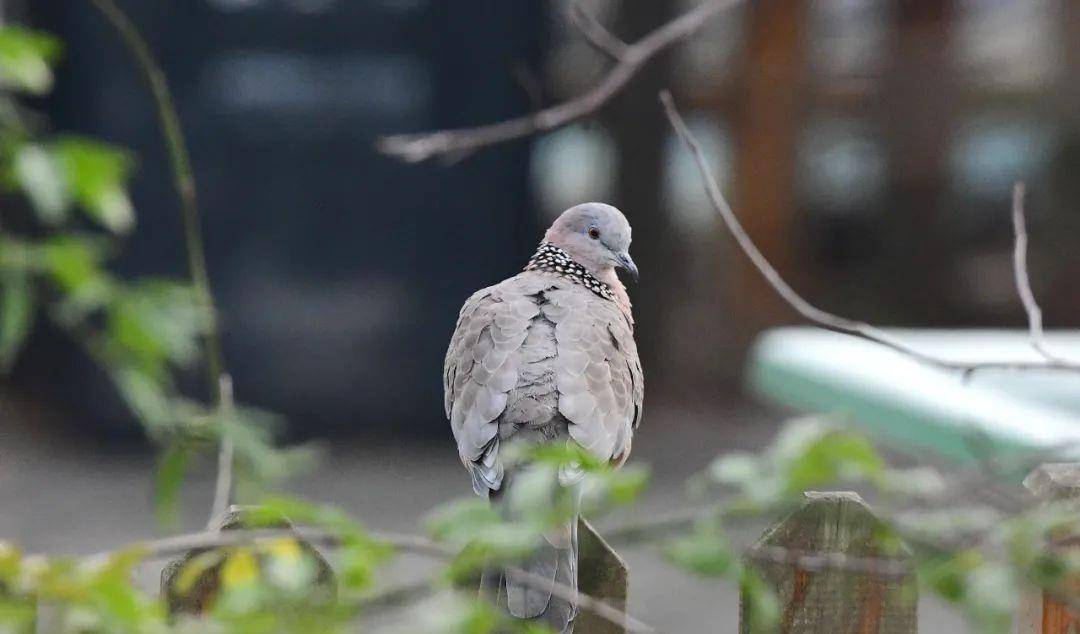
x=597 y=236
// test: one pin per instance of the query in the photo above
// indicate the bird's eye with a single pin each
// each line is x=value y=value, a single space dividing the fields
x=594 y=233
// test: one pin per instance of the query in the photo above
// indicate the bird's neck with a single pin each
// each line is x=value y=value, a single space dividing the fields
x=601 y=280
x=622 y=298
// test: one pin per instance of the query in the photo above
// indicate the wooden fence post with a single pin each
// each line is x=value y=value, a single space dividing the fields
x=602 y=574
x=1042 y=613
x=831 y=572
x=198 y=596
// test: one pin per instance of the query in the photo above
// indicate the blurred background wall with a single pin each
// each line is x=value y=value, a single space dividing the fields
x=868 y=145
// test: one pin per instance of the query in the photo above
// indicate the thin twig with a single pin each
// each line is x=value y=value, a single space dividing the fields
x=807 y=310
x=181 y=544
x=396 y=597
x=594 y=33
x=223 y=487
x=1023 y=281
x=183 y=179
x=414 y=148
x=818 y=562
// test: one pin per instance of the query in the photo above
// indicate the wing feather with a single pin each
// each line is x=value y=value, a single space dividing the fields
x=598 y=373
x=594 y=362
x=482 y=366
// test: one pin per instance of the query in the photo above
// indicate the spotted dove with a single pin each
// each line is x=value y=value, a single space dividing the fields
x=548 y=356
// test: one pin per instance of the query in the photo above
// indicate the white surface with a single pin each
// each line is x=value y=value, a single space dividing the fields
x=1032 y=409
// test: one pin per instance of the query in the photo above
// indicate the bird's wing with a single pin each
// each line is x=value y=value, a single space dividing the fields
x=482 y=365
x=597 y=370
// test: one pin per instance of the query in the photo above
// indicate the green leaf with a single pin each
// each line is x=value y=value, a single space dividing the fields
x=97 y=174
x=736 y=469
x=146 y=397
x=761 y=608
x=832 y=457
x=289 y=567
x=612 y=487
x=16 y=316
x=707 y=551
x=359 y=556
x=73 y=262
x=624 y=486
x=170 y=478
x=25 y=59
x=807 y=454
x=992 y=592
x=460 y=521
x=20 y=256
x=947 y=575
x=535 y=496
x=156 y=322
x=259 y=462
x=476 y=524
x=40 y=177
x=562 y=454
x=357 y=564
x=457 y=614
x=10 y=562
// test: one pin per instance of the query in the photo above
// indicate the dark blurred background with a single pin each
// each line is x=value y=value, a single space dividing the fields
x=869 y=146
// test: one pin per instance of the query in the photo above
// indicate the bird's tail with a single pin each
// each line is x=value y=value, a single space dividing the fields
x=554 y=560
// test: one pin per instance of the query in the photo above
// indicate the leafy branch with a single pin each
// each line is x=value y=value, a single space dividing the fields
x=183 y=179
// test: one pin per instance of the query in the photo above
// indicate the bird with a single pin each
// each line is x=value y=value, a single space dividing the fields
x=547 y=356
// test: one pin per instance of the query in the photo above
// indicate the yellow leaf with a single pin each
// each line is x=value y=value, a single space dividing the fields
x=241 y=568
x=285 y=548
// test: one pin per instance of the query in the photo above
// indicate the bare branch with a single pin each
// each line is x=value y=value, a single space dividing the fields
x=1023 y=282
x=223 y=488
x=414 y=148
x=595 y=33
x=807 y=310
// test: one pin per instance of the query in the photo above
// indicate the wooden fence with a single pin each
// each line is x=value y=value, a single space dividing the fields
x=826 y=563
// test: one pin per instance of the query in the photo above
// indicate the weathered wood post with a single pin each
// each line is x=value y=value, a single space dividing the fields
x=197 y=596
x=602 y=574
x=832 y=573
x=1041 y=612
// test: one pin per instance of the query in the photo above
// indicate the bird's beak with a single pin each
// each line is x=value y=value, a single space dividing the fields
x=627 y=263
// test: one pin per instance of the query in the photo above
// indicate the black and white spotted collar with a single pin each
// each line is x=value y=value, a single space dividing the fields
x=552 y=259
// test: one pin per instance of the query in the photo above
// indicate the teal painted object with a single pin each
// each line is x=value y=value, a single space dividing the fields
x=902 y=401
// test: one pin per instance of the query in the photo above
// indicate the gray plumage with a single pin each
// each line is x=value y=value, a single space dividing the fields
x=546 y=356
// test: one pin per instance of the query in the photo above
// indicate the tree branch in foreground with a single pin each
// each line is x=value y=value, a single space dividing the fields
x=844 y=325
x=180 y=544
x=414 y=148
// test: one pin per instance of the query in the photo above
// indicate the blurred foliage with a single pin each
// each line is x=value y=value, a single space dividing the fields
x=145 y=333
x=26 y=58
